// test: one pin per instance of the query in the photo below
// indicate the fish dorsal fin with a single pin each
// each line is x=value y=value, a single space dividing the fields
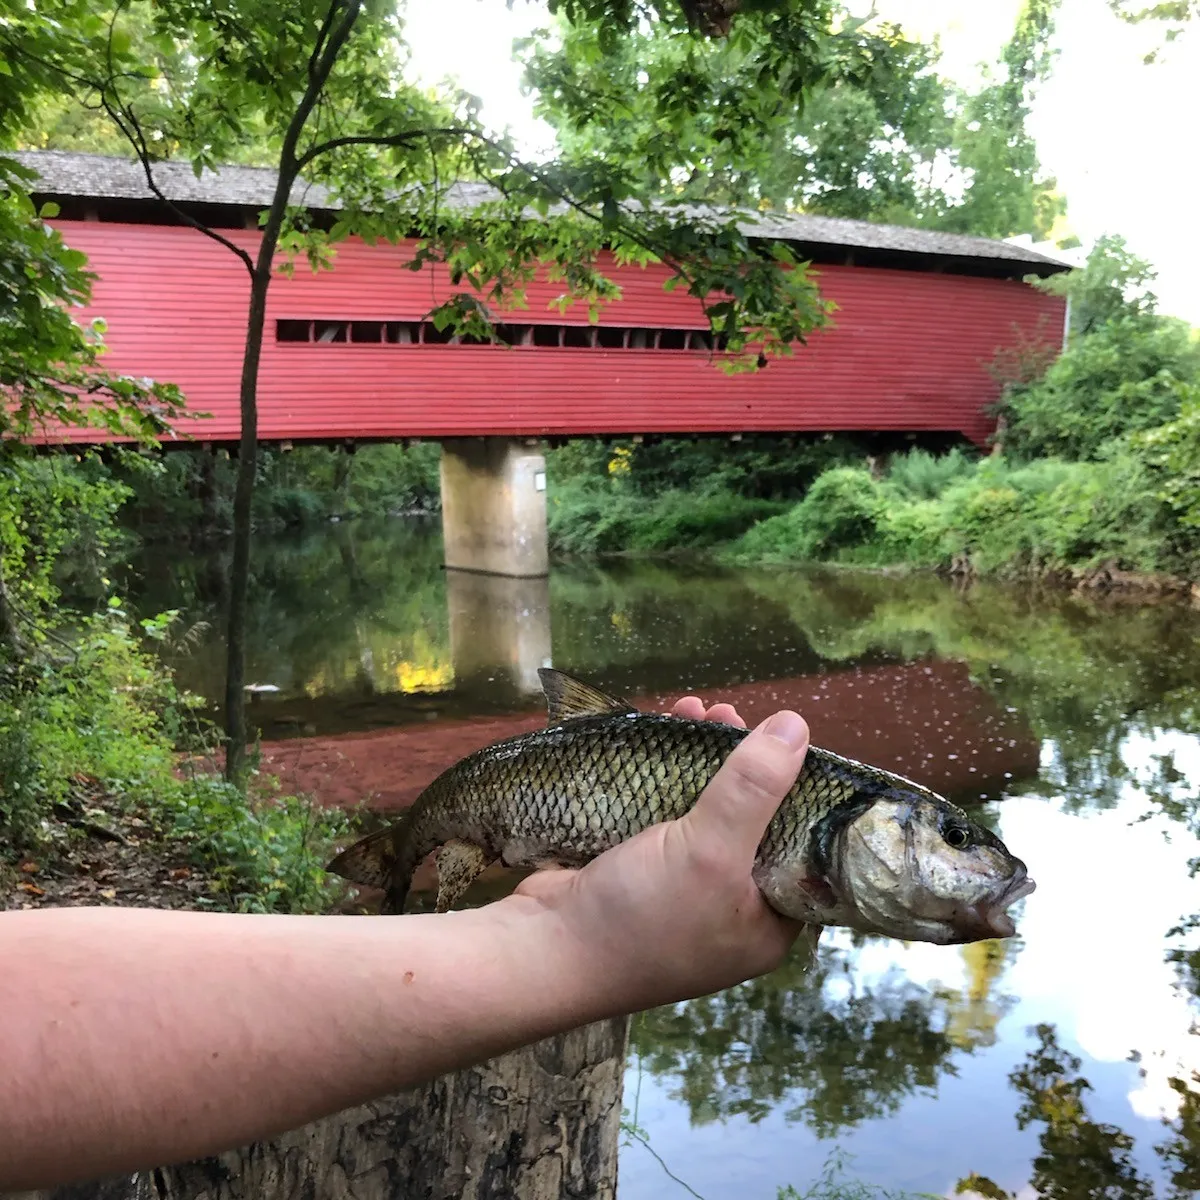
x=568 y=697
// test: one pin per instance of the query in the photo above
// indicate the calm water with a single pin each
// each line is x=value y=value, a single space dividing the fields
x=1074 y=726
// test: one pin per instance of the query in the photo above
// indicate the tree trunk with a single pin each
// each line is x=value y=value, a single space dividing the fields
x=541 y=1123
x=243 y=498
x=11 y=641
x=207 y=493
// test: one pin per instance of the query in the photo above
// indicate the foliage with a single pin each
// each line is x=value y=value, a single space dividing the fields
x=49 y=365
x=1127 y=376
x=1126 y=369
x=1174 y=14
x=592 y=519
x=759 y=466
x=192 y=490
x=1004 y=192
x=832 y=1184
x=1112 y=284
x=994 y=516
x=842 y=509
x=878 y=134
x=1173 y=453
x=920 y=475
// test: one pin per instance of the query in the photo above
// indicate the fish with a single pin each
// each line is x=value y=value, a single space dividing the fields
x=851 y=845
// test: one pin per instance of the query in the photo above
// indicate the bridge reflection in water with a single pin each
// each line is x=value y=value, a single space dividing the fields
x=926 y=720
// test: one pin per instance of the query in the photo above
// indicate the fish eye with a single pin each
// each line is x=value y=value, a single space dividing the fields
x=956 y=836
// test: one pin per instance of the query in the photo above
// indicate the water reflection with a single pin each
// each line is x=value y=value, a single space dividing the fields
x=1074 y=722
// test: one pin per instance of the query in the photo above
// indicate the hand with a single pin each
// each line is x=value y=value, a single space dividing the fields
x=673 y=912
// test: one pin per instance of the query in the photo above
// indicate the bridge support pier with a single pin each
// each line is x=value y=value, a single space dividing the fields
x=494 y=507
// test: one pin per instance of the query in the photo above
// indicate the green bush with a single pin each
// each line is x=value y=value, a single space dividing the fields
x=1126 y=376
x=1172 y=453
x=759 y=466
x=611 y=518
x=919 y=475
x=842 y=511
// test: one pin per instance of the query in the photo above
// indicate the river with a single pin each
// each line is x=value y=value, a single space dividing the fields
x=1069 y=724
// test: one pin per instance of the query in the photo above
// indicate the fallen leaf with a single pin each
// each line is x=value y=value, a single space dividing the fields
x=109 y=893
x=181 y=873
x=32 y=889
x=28 y=867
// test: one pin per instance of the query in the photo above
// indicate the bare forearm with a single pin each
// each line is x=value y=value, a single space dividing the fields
x=133 y=1038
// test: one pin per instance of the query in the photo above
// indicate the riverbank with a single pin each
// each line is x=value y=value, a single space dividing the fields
x=1103 y=525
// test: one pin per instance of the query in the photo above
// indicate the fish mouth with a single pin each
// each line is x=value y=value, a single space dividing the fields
x=990 y=918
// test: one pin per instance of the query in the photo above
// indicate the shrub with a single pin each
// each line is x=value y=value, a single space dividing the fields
x=1129 y=375
x=611 y=518
x=841 y=512
x=1172 y=454
x=919 y=475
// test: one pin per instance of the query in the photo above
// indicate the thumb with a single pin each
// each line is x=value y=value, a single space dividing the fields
x=740 y=800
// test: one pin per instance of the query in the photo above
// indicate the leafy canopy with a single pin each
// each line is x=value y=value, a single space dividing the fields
x=866 y=129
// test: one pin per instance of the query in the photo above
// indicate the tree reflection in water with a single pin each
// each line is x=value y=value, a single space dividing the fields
x=1083 y=1159
x=853 y=1051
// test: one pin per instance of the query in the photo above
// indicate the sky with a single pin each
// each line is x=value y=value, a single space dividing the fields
x=1120 y=136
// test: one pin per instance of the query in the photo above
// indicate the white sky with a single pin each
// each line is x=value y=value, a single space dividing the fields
x=1122 y=138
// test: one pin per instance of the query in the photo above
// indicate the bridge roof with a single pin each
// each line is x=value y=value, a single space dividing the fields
x=67 y=174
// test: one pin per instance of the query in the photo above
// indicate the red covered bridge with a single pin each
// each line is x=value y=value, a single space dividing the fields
x=349 y=355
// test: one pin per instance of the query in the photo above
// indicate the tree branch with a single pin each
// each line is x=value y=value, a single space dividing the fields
x=322 y=34
x=126 y=121
x=384 y=140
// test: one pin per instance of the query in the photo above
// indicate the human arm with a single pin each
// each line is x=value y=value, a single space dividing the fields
x=133 y=1038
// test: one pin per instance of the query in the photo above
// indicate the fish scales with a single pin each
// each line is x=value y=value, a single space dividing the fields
x=850 y=844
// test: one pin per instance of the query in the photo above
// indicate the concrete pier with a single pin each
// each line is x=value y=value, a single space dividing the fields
x=494 y=506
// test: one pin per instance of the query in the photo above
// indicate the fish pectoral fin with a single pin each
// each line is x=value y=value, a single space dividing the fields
x=369 y=862
x=459 y=864
x=568 y=697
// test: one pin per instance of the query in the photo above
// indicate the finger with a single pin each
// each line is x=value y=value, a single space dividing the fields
x=691 y=707
x=545 y=882
x=725 y=713
x=740 y=800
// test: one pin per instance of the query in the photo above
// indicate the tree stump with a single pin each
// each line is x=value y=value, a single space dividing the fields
x=539 y=1124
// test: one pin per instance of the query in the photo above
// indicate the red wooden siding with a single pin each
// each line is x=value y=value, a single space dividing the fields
x=907 y=350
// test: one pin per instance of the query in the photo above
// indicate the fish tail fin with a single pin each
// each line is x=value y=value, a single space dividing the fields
x=372 y=861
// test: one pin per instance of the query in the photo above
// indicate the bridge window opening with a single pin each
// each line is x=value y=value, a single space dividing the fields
x=329 y=331
x=515 y=335
x=574 y=337
x=293 y=331
x=579 y=336
x=547 y=335
x=366 y=331
x=402 y=333
x=431 y=335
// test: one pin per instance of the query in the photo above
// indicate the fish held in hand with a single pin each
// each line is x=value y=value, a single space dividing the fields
x=850 y=845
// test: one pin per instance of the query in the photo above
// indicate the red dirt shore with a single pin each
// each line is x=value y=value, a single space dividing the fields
x=928 y=721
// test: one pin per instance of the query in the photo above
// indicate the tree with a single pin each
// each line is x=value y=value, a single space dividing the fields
x=880 y=135
x=1112 y=284
x=994 y=149
x=50 y=376
x=321 y=84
